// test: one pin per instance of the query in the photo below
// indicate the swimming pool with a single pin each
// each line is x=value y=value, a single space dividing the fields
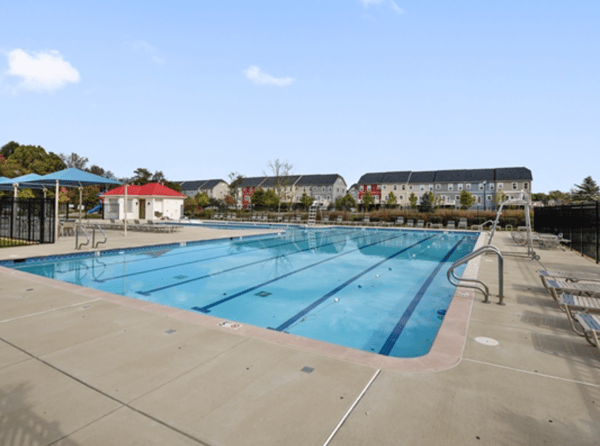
x=381 y=291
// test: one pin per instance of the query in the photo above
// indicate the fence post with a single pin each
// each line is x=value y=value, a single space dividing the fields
x=597 y=232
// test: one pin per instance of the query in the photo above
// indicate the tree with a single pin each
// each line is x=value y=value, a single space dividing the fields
x=586 y=191
x=235 y=181
x=499 y=198
x=558 y=197
x=281 y=172
x=158 y=177
x=345 y=202
x=31 y=159
x=413 y=200
x=26 y=193
x=202 y=199
x=391 y=201
x=368 y=200
x=427 y=203
x=141 y=176
x=466 y=200
x=306 y=200
x=74 y=160
x=8 y=149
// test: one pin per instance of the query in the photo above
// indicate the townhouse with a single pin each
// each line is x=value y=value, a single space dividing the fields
x=447 y=185
x=325 y=188
x=217 y=189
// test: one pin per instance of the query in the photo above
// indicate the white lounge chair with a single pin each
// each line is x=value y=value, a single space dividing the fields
x=560 y=286
x=590 y=324
x=451 y=224
x=462 y=223
x=566 y=275
x=574 y=305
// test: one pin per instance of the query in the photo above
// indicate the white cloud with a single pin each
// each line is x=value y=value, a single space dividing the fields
x=144 y=47
x=395 y=7
x=258 y=77
x=41 y=71
x=392 y=4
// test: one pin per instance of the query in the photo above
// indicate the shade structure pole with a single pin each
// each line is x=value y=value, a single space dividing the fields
x=56 y=213
x=80 y=201
x=125 y=211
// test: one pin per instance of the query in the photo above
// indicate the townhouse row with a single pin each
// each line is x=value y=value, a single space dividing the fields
x=446 y=185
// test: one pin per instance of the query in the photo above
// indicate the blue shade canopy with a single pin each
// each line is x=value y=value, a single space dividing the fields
x=74 y=178
x=27 y=181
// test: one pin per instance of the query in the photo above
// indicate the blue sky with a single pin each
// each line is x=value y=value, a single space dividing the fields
x=198 y=89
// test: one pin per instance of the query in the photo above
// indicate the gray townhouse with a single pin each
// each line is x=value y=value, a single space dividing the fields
x=217 y=189
x=447 y=185
x=324 y=188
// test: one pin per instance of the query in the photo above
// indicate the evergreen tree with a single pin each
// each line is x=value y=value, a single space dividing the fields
x=587 y=191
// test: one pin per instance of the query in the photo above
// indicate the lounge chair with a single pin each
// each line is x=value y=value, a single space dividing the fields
x=567 y=276
x=410 y=223
x=556 y=287
x=462 y=223
x=325 y=219
x=590 y=324
x=339 y=220
x=366 y=221
x=451 y=224
x=420 y=223
x=574 y=305
x=399 y=221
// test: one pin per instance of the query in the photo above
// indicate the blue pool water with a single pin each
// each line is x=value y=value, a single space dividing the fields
x=382 y=291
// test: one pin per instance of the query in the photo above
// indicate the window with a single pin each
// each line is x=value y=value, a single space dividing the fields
x=515 y=186
x=468 y=186
x=329 y=197
x=404 y=187
x=480 y=186
x=410 y=187
x=491 y=187
x=525 y=186
x=431 y=187
x=384 y=186
x=422 y=187
x=457 y=197
x=450 y=186
x=401 y=197
x=459 y=186
x=443 y=198
x=329 y=188
x=489 y=198
x=386 y=197
x=500 y=186
x=394 y=187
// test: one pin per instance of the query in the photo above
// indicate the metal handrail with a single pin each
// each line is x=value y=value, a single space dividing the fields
x=77 y=245
x=95 y=245
x=454 y=280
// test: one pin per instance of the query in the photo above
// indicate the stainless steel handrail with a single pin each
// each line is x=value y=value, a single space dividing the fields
x=95 y=245
x=77 y=245
x=454 y=280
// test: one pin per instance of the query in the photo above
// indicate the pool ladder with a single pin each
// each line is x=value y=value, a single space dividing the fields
x=478 y=284
x=94 y=243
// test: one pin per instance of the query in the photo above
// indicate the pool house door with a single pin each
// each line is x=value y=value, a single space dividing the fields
x=142 y=209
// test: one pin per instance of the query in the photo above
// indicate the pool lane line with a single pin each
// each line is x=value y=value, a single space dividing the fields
x=148 y=292
x=188 y=263
x=337 y=289
x=206 y=308
x=388 y=345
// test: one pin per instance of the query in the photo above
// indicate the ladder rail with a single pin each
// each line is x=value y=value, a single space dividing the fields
x=77 y=244
x=456 y=281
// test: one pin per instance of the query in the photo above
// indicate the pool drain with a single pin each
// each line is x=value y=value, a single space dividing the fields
x=487 y=341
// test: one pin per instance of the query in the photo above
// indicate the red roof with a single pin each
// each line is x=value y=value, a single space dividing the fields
x=150 y=189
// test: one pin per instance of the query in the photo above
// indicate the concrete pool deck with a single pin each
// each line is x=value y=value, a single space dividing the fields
x=79 y=369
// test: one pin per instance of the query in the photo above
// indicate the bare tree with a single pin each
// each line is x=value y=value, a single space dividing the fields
x=281 y=171
x=74 y=160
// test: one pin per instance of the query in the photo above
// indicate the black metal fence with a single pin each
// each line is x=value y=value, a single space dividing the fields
x=579 y=223
x=26 y=220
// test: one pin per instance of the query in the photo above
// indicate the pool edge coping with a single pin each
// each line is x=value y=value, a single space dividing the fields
x=445 y=353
